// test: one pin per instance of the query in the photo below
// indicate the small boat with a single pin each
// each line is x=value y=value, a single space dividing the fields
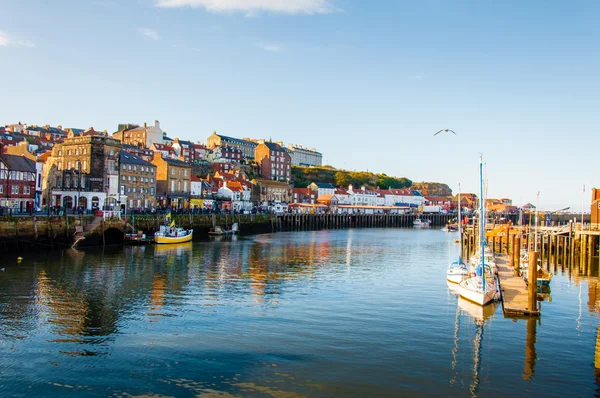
x=418 y=223
x=452 y=227
x=220 y=231
x=168 y=234
x=543 y=277
x=457 y=270
x=137 y=239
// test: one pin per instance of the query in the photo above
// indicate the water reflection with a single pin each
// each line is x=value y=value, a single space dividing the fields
x=356 y=313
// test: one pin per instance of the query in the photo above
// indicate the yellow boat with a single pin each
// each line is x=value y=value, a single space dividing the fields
x=168 y=235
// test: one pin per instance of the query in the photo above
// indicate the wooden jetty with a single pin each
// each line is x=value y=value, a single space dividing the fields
x=515 y=293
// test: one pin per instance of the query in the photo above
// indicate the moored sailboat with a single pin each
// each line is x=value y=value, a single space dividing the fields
x=457 y=270
x=481 y=288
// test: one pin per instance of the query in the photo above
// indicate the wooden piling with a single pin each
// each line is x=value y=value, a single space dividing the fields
x=532 y=280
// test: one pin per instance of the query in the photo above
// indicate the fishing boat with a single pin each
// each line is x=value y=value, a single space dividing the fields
x=216 y=231
x=418 y=223
x=168 y=234
x=457 y=270
x=481 y=287
x=136 y=238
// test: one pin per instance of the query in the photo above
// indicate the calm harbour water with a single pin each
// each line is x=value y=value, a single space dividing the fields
x=329 y=313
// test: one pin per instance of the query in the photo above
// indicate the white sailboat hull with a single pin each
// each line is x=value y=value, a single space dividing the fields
x=471 y=289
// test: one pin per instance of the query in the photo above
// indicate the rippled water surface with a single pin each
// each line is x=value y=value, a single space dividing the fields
x=329 y=313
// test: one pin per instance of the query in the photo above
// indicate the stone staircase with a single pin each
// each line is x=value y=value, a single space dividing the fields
x=81 y=232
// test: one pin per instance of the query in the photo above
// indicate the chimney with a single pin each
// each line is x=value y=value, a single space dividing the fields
x=156 y=124
x=145 y=126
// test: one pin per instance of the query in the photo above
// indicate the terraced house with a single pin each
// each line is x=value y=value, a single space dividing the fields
x=173 y=182
x=17 y=182
x=137 y=182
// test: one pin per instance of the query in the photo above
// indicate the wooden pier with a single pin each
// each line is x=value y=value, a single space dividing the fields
x=515 y=294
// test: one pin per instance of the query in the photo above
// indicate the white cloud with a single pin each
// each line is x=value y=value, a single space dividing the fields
x=270 y=47
x=6 y=41
x=251 y=6
x=151 y=33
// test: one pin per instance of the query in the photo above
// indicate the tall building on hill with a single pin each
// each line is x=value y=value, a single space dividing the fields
x=247 y=147
x=145 y=136
x=302 y=156
x=275 y=162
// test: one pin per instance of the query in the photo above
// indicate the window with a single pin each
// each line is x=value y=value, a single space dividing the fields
x=15 y=189
x=77 y=151
x=134 y=189
x=124 y=167
x=68 y=164
x=134 y=179
x=185 y=186
x=152 y=180
x=69 y=152
x=84 y=151
x=112 y=153
x=84 y=165
x=172 y=172
x=129 y=166
x=123 y=178
x=128 y=189
x=185 y=173
x=1 y=188
x=151 y=190
x=59 y=153
x=135 y=168
x=172 y=185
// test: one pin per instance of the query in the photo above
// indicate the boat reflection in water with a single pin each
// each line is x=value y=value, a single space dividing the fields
x=479 y=315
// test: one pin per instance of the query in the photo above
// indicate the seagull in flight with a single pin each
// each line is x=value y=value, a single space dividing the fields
x=445 y=130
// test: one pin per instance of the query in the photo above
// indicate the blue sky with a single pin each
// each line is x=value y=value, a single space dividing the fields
x=365 y=82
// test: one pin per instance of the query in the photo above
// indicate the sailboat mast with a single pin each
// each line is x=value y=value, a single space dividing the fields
x=459 y=228
x=481 y=225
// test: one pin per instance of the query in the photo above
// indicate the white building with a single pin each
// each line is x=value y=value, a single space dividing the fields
x=302 y=156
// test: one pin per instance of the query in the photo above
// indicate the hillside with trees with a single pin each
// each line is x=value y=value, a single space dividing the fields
x=432 y=188
x=303 y=176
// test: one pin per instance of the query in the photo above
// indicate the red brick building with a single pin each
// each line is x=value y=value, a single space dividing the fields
x=275 y=162
x=17 y=182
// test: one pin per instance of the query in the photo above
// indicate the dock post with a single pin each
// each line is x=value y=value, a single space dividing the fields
x=532 y=281
x=517 y=256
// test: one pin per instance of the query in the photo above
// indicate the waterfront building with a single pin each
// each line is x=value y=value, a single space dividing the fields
x=362 y=197
x=322 y=188
x=247 y=147
x=83 y=172
x=23 y=150
x=303 y=195
x=265 y=191
x=137 y=182
x=136 y=135
x=173 y=182
x=302 y=156
x=17 y=182
x=275 y=163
